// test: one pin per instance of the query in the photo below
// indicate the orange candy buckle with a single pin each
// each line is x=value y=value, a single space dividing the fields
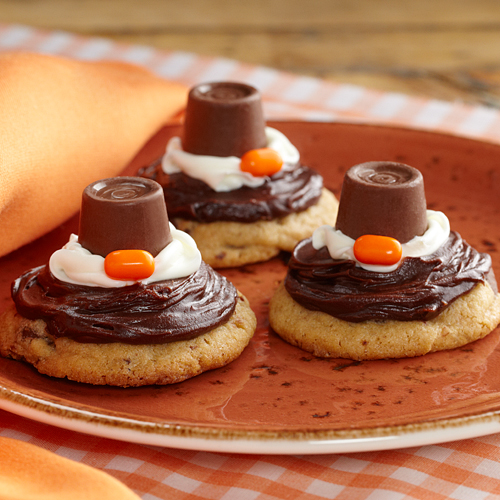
x=377 y=250
x=127 y=265
x=261 y=162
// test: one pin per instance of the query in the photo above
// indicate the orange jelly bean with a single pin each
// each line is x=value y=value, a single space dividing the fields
x=261 y=162
x=377 y=250
x=129 y=265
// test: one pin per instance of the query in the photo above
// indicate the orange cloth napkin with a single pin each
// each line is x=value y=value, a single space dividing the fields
x=64 y=124
x=28 y=472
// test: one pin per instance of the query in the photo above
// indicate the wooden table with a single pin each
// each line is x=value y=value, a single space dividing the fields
x=445 y=49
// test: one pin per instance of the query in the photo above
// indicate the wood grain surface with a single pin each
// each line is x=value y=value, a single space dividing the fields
x=444 y=49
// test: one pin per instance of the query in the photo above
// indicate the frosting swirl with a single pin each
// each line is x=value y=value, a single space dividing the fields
x=75 y=264
x=293 y=189
x=223 y=173
x=157 y=313
x=340 y=246
x=419 y=289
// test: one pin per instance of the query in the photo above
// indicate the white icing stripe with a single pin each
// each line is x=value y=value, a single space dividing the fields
x=224 y=174
x=340 y=246
x=438 y=230
x=74 y=264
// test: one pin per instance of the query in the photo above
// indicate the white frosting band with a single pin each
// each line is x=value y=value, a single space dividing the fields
x=340 y=246
x=74 y=264
x=224 y=174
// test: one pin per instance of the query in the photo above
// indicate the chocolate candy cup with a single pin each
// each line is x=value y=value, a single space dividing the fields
x=124 y=213
x=223 y=119
x=382 y=198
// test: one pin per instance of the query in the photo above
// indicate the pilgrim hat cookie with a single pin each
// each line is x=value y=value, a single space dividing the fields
x=390 y=280
x=128 y=302
x=236 y=186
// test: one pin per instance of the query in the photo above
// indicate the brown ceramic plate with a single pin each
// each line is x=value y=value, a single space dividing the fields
x=276 y=398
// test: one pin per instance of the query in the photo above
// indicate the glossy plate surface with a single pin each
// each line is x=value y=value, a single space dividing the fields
x=276 y=398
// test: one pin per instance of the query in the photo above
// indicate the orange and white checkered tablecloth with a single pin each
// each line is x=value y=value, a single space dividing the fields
x=462 y=470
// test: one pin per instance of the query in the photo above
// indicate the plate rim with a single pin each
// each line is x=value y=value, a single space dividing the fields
x=195 y=438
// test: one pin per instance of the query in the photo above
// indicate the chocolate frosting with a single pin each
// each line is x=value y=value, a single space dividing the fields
x=292 y=189
x=420 y=289
x=157 y=313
